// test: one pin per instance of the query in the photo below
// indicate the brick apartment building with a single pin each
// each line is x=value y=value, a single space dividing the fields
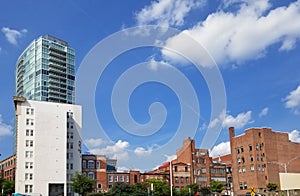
x=259 y=155
x=8 y=168
x=194 y=165
x=227 y=160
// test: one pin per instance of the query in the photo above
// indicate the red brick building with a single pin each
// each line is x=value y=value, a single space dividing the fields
x=194 y=165
x=8 y=168
x=259 y=155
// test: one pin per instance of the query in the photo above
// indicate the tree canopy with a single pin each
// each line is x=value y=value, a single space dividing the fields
x=82 y=184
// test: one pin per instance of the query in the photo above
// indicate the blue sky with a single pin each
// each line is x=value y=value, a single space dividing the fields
x=254 y=44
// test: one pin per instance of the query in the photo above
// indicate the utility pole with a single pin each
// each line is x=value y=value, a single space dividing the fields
x=171 y=178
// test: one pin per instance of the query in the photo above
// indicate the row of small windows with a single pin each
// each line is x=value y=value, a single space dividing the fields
x=186 y=169
x=259 y=157
x=116 y=178
x=257 y=147
x=91 y=164
x=243 y=185
x=182 y=179
x=198 y=172
x=29 y=143
x=252 y=168
x=217 y=170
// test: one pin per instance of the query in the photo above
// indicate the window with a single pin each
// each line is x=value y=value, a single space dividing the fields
x=257 y=157
x=203 y=170
x=29 y=132
x=187 y=180
x=127 y=178
x=201 y=179
x=110 y=179
x=263 y=167
x=251 y=157
x=239 y=160
x=28 y=188
x=186 y=169
x=175 y=168
x=91 y=164
x=70 y=135
x=244 y=169
x=98 y=164
x=28 y=176
x=181 y=179
x=91 y=175
x=115 y=178
x=70 y=125
x=28 y=165
x=240 y=169
x=99 y=186
x=259 y=134
x=71 y=165
x=121 y=178
x=242 y=149
x=238 y=151
x=29 y=143
x=69 y=155
x=245 y=185
x=252 y=167
x=29 y=122
x=256 y=146
x=29 y=111
x=258 y=168
x=250 y=147
x=198 y=171
x=176 y=179
x=70 y=145
x=243 y=160
x=69 y=114
x=241 y=185
x=83 y=164
x=28 y=154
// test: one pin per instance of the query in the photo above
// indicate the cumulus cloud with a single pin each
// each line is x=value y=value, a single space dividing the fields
x=12 y=35
x=294 y=136
x=141 y=151
x=228 y=120
x=117 y=150
x=264 y=112
x=220 y=149
x=167 y=12
x=5 y=130
x=292 y=101
x=244 y=34
x=94 y=142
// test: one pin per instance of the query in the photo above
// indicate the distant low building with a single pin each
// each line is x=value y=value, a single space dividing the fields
x=8 y=168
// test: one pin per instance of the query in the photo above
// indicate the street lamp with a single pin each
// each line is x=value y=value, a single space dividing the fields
x=285 y=165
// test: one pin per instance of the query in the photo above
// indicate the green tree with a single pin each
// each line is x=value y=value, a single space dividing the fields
x=272 y=186
x=140 y=189
x=160 y=187
x=194 y=188
x=7 y=186
x=216 y=186
x=205 y=191
x=120 y=189
x=82 y=184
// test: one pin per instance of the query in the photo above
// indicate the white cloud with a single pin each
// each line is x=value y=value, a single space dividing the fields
x=5 y=130
x=264 y=112
x=220 y=149
x=227 y=120
x=294 y=136
x=117 y=150
x=94 y=142
x=167 y=12
x=12 y=35
x=239 y=121
x=243 y=35
x=140 y=151
x=292 y=101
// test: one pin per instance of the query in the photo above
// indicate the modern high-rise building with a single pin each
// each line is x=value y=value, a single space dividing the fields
x=45 y=71
x=48 y=146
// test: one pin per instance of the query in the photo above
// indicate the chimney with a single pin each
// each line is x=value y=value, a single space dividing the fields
x=231 y=132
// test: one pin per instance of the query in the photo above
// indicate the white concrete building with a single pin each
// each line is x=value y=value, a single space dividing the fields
x=48 y=146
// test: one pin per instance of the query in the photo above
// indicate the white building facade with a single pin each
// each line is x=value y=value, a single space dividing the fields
x=48 y=146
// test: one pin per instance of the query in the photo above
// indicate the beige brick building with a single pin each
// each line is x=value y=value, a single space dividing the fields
x=259 y=155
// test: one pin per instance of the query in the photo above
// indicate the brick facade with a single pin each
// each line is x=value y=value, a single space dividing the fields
x=259 y=155
x=8 y=168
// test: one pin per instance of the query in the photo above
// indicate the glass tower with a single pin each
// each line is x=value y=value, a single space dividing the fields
x=45 y=71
